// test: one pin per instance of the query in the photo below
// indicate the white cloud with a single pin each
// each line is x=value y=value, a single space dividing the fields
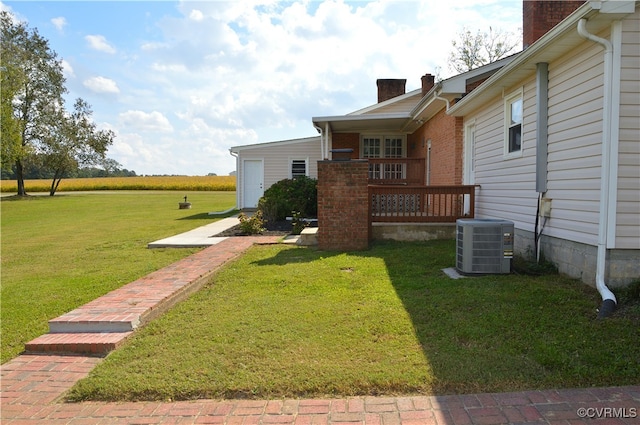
x=101 y=85
x=201 y=77
x=99 y=42
x=148 y=122
x=67 y=69
x=59 y=23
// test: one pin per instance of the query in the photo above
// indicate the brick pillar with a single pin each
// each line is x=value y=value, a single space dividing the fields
x=343 y=208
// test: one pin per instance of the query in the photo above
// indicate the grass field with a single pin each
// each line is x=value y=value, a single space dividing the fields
x=189 y=183
x=286 y=321
x=63 y=251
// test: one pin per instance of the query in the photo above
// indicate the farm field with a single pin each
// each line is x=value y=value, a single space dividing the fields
x=195 y=183
x=61 y=252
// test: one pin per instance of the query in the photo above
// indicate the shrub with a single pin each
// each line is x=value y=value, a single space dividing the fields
x=251 y=225
x=298 y=223
x=282 y=198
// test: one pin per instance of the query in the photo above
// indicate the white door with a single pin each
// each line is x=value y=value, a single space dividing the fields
x=252 y=178
x=469 y=161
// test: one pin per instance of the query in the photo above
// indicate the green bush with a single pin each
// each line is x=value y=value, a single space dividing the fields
x=282 y=198
x=251 y=225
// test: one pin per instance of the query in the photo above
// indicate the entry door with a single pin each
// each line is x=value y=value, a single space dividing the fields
x=252 y=177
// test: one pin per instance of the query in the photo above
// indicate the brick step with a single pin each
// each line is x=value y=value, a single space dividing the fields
x=77 y=343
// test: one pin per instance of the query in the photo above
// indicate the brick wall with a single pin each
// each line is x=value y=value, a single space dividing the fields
x=446 y=134
x=347 y=140
x=540 y=16
x=343 y=208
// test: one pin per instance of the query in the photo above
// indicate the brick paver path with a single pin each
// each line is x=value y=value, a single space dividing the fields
x=32 y=386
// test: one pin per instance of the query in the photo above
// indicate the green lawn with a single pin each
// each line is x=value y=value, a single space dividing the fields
x=61 y=252
x=286 y=321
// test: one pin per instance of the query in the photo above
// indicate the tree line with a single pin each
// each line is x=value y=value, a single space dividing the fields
x=39 y=134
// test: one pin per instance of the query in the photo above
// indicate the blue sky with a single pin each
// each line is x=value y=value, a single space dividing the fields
x=179 y=83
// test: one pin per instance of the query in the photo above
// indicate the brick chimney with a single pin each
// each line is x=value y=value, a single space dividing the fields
x=540 y=16
x=390 y=88
x=428 y=81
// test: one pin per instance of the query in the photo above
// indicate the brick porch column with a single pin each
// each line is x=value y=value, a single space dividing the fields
x=343 y=208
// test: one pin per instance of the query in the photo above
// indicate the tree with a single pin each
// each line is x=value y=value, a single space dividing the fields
x=32 y=89
x=472 y=51
x=74 y=142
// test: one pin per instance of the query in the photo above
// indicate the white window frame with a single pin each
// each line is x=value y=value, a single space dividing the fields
x=383 y=138
x=509 y=100
x=385 y=171
x=298 y=160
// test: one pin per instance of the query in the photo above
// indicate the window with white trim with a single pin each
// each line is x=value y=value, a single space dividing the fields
x=513 y=123
x=298 y=168
x=392 y=146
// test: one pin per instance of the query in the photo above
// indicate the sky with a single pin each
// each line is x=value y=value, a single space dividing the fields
x=180 y=82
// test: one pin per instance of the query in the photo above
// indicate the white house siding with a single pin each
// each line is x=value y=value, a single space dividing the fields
x=575 y=143
x=507 y=185
x=628 y=206
x=276 y=157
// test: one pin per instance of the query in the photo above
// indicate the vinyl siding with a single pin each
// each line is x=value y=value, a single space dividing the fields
x=507 y=184
x=277 y=160
x=575 y=144
x=628 y=202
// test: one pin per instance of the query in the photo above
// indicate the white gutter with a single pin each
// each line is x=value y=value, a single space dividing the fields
x=608 y=299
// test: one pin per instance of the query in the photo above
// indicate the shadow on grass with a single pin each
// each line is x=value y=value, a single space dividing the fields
x=510 y=332
x=497 y=333
x=205 y=215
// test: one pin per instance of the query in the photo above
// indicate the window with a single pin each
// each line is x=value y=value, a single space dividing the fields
x=298 y=168
x=384 y=147
x=513 y=123
x=371 y=147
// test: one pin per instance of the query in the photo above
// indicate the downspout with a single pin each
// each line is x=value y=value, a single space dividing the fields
x=436 y=96
x=542 y=145
x=321 y=141
x=608 y=299
x=235 y=155
x=326 y=145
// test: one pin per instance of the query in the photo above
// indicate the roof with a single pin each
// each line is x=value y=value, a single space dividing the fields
x=236 y=149
x=553 y=45
x=406 y=113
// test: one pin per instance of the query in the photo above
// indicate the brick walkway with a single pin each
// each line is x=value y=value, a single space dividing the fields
x=32 y=384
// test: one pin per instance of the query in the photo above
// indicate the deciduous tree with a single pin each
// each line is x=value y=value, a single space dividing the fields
x=471 y=51
x=74 y=142
x=32 y=87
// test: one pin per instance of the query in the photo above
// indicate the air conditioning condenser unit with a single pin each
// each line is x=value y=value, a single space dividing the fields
x=484 y=246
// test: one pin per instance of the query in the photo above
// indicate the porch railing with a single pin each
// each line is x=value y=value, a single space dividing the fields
x=421 y=204
x=407 y=171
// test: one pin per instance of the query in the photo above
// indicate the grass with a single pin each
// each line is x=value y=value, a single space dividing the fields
x=61 y=252
x=188 y=183
x=286 y=321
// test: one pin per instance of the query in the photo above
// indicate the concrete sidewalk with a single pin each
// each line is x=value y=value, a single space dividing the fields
x=200 y=237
